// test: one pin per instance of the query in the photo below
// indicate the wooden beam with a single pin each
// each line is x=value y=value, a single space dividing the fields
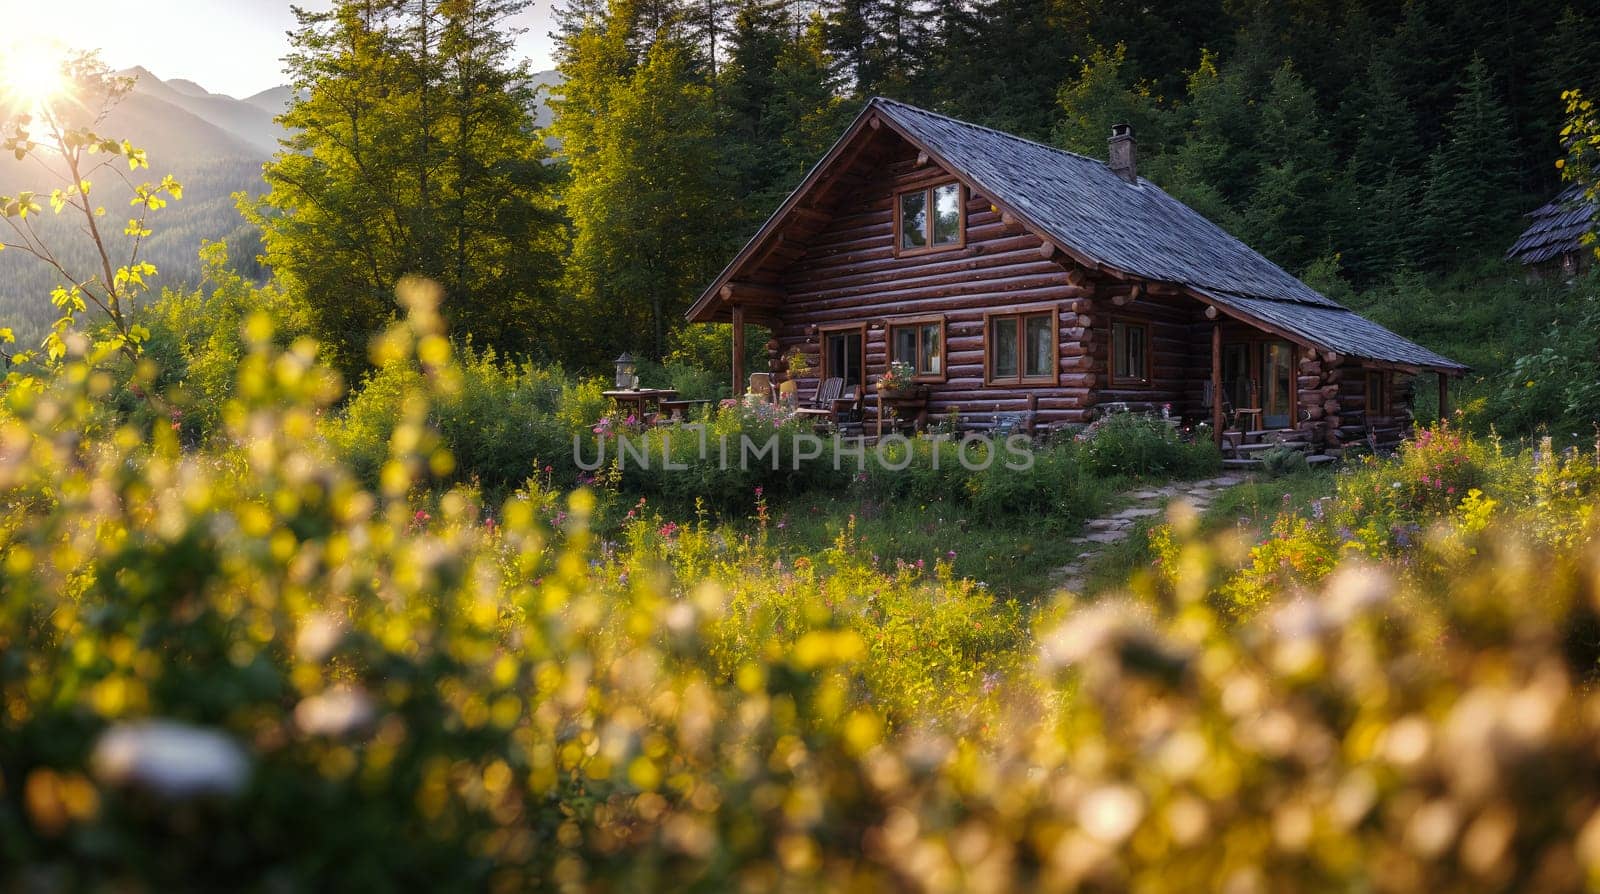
x=777 y=243
x=922 y=159
x=754 y=294
x=738 y=351
x=1047 y=250
x=1216 y=382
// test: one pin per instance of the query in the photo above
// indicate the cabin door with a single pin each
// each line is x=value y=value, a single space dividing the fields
x=1277 y=384
x=844 y=353
x=1260 y=375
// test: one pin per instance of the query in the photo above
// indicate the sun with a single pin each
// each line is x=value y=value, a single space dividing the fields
x=31 y=75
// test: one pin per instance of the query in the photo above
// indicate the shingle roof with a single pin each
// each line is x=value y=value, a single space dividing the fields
x=1557 y=227
x=1335 y=329
x=1133 y=228
x=1138 y=229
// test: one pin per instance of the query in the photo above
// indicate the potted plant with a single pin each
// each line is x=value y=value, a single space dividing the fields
x=798 y=364
x=896 y=382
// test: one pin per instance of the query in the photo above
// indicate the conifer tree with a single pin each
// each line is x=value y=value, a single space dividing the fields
x=782 y=106
x=647 y=197
x=1471 y=197
x=999 y=62
x=412 y=152
x=1286 y=218
x=1104 y=94
x=1213 y=169
x=1378 y=213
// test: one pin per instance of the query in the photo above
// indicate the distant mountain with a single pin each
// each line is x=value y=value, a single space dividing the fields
x=241 y=119
x=276 y=100
x=213 y=144
x=543 y=81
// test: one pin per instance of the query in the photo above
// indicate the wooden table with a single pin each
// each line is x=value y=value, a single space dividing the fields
x=638 y=399
x=901 y=403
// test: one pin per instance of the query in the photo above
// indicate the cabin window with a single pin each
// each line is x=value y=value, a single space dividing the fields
x=919 y=343
x=1377 y=394
x=1130 y=353
x=844 y=355
x=1021 y=348
x=928 y=219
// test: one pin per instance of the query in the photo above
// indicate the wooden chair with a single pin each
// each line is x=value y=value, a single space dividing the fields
x=829 y=404
x=1251 y=413
x=761 y=386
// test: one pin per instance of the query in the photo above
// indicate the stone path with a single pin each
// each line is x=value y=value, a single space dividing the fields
x=1118 y=526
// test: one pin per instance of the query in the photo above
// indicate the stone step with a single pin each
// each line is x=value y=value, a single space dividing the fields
x=1265 y=446
x=1315 y=459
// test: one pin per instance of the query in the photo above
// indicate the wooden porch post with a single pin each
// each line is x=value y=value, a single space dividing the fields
x=738 y=351
x=1444 y=397
x=1216 y=382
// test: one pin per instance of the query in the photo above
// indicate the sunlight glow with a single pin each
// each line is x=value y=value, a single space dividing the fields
x=31 y=75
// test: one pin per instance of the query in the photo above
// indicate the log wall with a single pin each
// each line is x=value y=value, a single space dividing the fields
x=850 y=273
x=845 y=271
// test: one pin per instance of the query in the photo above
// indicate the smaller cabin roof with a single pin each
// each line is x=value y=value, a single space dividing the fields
x=1557 y=228
x=1129 y=229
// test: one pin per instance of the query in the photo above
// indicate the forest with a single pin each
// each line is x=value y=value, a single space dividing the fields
x=305 y=585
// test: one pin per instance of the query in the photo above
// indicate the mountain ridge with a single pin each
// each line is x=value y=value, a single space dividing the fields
x=212 y=143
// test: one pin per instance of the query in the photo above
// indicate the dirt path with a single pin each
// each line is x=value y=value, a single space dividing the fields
x=1118 y=526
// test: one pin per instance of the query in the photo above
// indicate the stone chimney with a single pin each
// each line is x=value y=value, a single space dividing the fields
x=1123 y=153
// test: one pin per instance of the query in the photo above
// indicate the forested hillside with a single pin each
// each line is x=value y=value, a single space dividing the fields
x=214 y=145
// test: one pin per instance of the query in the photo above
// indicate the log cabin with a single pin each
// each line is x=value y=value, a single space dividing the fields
x=1014 y=276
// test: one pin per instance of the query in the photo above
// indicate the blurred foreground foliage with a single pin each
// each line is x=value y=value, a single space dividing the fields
x=239 y=663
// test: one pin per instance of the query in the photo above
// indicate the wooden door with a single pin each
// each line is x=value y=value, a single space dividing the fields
x=845 y=356
x=1277 y=384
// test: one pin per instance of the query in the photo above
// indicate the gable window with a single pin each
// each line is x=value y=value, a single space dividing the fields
x=929 y=219
x=1130 y=353
x=919 y=343
x=1021 y=348
x=1377 y=394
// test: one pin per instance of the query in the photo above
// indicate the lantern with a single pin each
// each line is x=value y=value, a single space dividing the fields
x=625 y=368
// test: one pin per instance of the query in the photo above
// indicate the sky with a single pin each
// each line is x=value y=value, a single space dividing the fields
x=226 y=46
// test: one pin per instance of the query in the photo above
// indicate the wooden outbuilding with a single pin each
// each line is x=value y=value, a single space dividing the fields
x=1552 y=245
x=1014 y=276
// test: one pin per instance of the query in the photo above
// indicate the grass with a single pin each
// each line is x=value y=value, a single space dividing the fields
x=1013 y=558
x=1251 y=505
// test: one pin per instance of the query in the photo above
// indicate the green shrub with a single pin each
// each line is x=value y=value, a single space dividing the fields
x=1137 y=444
x=503 y=422
x=706 y=460
x=1281 y=461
